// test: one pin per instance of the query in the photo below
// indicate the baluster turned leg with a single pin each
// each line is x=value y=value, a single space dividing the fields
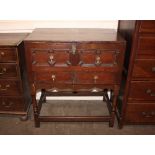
x=114 y=104
x=35 y=107
x=43 y=92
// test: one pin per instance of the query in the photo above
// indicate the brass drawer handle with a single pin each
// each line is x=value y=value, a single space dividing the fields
x=51 y=60
x=153 y=69
x=4 y=89
x=95 y=78
x=73 y=49
x=53 y=77
x=7 y=105
x=3 y=70
x=148 y=114
x=2 y=54
x=149 y=91
x=98 y=60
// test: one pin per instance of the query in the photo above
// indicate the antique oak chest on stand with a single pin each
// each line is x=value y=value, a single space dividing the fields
x=15 y=98
x=74 y=62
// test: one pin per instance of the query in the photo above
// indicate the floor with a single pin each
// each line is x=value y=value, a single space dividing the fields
x=13 y=125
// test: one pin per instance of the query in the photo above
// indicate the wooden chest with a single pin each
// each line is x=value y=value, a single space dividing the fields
x=14 y=95
x=138 y=102
x=73 y=60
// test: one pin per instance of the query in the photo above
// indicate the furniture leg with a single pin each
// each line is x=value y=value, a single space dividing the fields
x=35 y=111
x=114 y=104
x=35 y=107
x=43 y=92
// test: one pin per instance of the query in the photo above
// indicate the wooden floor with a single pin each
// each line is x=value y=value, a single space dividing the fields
x=13 y=126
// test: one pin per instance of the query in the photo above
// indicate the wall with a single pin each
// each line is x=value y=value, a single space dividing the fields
x=28 y=26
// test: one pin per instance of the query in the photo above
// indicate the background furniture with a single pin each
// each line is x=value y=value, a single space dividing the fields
x=74 y=62
x=14 y=94
x=136 y=104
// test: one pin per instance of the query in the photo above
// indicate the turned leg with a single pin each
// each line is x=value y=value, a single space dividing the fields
x=35 y=112
x=44 y=95
x=114 y=104
x=104 y=98
x=35 y=107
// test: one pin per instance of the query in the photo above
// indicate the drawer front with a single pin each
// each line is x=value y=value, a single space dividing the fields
x=142 y=91
x=96 y=78
x=98 y=58
x=146 y=45
x=144 y=69
x=98 y=54
x=10 y=87
x=50 y=54
x=147 y=26
x=55 y=77
x=8 y=70
x=75 y=54
x=11 y=104
x=77 y=77
x=8 y=55
x=144 y=113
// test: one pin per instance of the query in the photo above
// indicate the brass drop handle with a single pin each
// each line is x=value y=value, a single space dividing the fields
x=7 y=105
x=95 y=78
x=3 y=70
x=153 y=69
x=53 y=77
x=98 y=60
x=73 y=49
x=2 y=54
x=4 y=89
x=51 y=60
x=149 y=91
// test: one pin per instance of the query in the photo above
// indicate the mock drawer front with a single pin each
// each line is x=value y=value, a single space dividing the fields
x=144 y=113
x=144 y=69
x=142 y=90
x=10 y=87
x=58 y=58
x=147 y=26
x=11 y=104
x=146 y=45
x=8 y=55
x=54 y=77
x=98 y=54
x=50 y=54
x=98 y=58
x=8 y=70
x=95 y=78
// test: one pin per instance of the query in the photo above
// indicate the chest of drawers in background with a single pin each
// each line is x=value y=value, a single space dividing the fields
x=138 y=100
x=14 y=95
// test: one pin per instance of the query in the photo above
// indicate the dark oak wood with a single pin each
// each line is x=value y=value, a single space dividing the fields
x=15 y=99
x=147 y=26
x=144 y=69
x=136 y=103
x=75 y=61
x=140 y=113
x=8 y=54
